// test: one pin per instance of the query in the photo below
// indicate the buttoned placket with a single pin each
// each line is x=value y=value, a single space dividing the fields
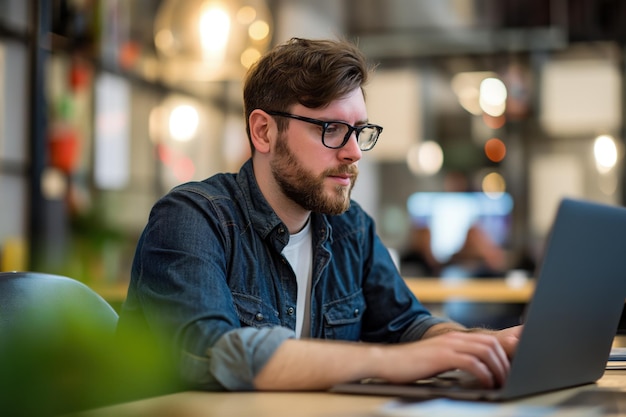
x=288 y=285
x=321 y=258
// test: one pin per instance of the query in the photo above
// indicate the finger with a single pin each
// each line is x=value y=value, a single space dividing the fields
x=509 y=338
x=497 y=361
x=478 y=369
x=487 y=350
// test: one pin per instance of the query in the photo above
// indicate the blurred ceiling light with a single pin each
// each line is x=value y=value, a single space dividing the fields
x=214 y=28
x=492 y=96
x=493 y=185
x=259 y=30
x=183 y=122
x=203 y=40
x=249 y=57
x=175 y=120
x=425 y=158
x=466 y=86
x=246 y=15
x=495 y=150
x=53 y=184
x=605 y=153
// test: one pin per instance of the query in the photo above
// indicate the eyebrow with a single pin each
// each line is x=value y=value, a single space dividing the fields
x=357 y=123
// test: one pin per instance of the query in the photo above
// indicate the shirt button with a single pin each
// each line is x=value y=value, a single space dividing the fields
x=258 y=316
x=290 y=311
x=356 y=312
x=281 y=230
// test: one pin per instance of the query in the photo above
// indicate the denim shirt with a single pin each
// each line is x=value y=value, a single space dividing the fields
x=209 y=282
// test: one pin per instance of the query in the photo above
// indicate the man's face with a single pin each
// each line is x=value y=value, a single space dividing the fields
x=308 y=173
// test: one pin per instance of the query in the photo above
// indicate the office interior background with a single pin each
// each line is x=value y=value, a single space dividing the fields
x=106 y=105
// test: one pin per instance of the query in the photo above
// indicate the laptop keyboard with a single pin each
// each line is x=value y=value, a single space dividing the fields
x=449 y=379
x=456 y=378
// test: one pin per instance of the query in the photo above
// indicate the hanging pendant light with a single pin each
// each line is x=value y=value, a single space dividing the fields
x=210 y=40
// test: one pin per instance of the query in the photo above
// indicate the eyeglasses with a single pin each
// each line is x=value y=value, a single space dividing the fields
x=336 y=134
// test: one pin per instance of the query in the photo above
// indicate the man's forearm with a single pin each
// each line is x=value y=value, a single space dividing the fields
x=307 y=364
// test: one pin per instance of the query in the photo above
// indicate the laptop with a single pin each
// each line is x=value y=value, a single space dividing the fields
x=569 y=324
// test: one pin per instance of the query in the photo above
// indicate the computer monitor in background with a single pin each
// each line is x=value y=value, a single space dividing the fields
x=450 y=215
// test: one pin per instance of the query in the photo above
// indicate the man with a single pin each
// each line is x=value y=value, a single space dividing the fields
x=266 y=279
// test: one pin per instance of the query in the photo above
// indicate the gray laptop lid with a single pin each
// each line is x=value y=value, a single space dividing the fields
x=572 y=318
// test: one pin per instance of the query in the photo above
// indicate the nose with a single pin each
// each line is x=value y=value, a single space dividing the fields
x=351 y=151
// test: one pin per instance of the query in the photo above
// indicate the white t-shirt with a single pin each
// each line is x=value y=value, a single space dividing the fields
x=299 y=253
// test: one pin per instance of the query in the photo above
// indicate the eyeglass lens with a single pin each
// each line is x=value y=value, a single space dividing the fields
x=337 y=134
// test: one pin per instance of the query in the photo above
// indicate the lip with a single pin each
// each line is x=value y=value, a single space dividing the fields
x=343 y=179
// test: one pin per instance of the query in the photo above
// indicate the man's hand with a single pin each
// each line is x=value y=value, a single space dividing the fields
x=478 y=353
x=508 y=338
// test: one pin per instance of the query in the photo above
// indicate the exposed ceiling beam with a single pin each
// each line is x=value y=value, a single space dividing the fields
x=416 y=44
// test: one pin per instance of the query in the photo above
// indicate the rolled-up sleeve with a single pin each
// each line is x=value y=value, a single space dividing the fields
x=418 y=328
x=235 y=359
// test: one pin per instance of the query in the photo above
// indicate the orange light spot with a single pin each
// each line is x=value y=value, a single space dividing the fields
x=495 y=149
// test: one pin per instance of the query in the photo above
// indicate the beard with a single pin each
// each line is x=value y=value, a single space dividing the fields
x=306 y=189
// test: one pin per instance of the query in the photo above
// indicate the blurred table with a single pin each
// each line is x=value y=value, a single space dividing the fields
x=500 y=290
x=428 y=290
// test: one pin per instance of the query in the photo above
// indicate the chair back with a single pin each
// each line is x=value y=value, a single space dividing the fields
x=57 y=346
x=41 y=298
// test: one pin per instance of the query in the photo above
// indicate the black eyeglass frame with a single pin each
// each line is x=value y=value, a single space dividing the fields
x=325 y=123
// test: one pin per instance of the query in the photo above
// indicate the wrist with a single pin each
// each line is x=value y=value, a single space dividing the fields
x=376 y=359
x=443 y=328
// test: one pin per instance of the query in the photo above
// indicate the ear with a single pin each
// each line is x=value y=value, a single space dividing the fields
x=262 y=130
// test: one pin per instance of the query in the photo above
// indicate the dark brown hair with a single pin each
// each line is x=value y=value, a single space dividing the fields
x=313 y=73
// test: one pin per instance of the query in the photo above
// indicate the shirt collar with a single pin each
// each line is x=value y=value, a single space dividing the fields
x=263 y=217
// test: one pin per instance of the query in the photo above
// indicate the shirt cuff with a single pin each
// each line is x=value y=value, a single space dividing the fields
x=419 y=327
x=235 y=359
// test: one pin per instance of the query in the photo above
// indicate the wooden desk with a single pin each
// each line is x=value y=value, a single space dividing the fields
x=316 y=404
x=438 y=290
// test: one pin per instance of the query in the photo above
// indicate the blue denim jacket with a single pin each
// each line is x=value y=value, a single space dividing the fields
x=209 y=282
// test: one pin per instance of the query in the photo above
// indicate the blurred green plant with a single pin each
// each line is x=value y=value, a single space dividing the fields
x=57 y=359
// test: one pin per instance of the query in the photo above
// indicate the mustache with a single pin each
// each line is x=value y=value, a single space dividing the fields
x=351 y=170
